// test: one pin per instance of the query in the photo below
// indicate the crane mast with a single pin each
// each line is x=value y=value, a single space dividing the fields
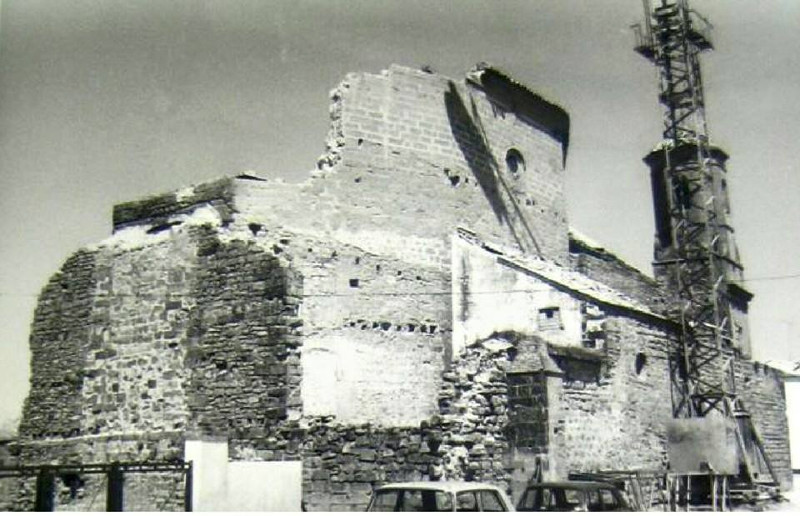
x=695 y=253
x=695 y=259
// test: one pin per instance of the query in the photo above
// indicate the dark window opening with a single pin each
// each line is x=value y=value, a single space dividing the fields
x=74 y=482
x=641 y=361
x=354 y=283
x=515 y=162
x=683 y=193
x=254 y=228
x=550 y=319
x=726 y=205
x=661 y=209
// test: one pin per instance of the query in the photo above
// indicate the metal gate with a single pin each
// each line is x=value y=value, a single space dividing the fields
x=115 y=474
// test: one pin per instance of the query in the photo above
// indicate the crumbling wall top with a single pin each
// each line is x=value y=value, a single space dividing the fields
x=517 y=97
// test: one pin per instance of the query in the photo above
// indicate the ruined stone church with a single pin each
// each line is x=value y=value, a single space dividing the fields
x=418 y=308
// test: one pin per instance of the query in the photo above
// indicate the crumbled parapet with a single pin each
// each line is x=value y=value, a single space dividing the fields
x=335 y=140
x=156 y=210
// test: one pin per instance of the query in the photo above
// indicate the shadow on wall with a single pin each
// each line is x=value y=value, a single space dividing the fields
x=475 y=149
x=474 y=146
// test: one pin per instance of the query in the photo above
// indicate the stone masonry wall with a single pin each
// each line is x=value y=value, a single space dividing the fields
x=603 y=266
x=413 y=155
x=9 y=456
x=376 y=338
x=375 y=329
x=612 y=411
x=528 y=406
x=243 y=339
x=395 y=129
x=473 y=404
x=158 y=330
x=762 y=392
x=134 y=371
x=59 y=346
x=342 y=463
x=121 y=352
x=354 y=333
x=159 y=210
x=87 y=492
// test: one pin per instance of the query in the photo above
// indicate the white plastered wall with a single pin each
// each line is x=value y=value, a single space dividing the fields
x=221 y=485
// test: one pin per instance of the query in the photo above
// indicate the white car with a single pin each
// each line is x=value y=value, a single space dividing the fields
x=444 y=496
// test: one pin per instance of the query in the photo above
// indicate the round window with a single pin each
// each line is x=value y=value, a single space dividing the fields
x=515 y=162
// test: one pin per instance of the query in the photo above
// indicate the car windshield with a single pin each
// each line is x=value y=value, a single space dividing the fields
x=566 y=499
x=411 y=500
x=560 y=499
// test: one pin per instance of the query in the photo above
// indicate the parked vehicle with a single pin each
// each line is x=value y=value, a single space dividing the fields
x=445 y=496
x=572 y=496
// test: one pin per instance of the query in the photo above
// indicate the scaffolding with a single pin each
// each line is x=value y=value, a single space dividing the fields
x=698 y=260
x=664 y=491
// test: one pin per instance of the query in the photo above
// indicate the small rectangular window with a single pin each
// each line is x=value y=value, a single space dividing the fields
x=549 y=319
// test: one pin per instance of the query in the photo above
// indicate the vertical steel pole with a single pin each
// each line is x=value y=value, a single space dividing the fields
x=187 y=495
x=114 y=487
x=45 y=490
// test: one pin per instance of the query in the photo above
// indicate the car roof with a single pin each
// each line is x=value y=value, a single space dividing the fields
x=444 y=485
x=574 y=484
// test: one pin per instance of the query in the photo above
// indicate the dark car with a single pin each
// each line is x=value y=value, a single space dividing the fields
x=572 y=496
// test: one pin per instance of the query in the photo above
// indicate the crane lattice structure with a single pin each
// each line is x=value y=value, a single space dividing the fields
x=673 y=38
x=700 y=265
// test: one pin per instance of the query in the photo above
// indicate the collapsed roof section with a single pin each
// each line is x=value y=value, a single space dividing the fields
x=515 y=96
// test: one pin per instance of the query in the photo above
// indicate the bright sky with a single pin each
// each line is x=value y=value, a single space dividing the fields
x=103 y=101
